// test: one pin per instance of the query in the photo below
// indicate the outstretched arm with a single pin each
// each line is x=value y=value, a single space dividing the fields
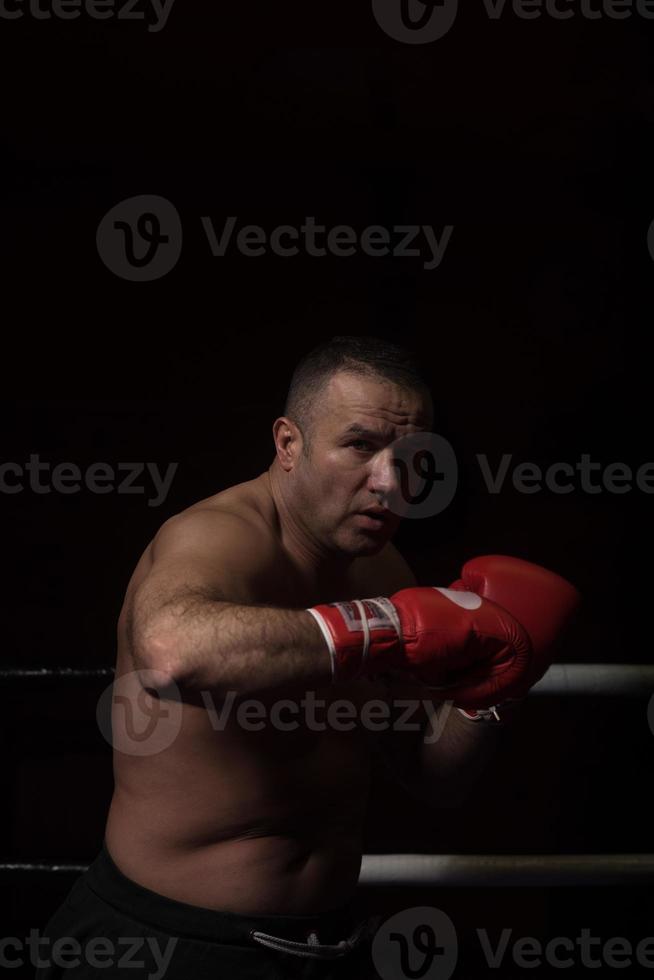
x=194 y=618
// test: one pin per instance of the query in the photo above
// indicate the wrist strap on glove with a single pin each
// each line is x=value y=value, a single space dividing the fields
x=355 y=629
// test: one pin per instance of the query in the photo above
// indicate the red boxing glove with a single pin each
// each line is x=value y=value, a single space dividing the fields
x=541 y=601
x=437 y=635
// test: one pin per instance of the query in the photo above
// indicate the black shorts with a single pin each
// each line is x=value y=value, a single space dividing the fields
x=112 y=928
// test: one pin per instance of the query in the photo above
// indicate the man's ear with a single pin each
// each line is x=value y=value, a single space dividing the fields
x=288 y=442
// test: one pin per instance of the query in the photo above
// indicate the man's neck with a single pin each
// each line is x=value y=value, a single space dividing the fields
x=318 y=566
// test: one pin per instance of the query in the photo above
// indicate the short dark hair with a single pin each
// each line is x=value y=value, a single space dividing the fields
x=368 y=356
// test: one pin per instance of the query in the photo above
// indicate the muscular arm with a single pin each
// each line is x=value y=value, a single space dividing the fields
x=194 y=618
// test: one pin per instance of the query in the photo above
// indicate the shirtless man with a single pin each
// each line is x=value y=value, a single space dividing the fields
x=234 y=832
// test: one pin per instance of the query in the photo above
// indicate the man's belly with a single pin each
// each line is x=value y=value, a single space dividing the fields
x=267 y=824
x=291 y=874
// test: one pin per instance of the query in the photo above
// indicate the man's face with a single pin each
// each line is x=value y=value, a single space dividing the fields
x=349 y=469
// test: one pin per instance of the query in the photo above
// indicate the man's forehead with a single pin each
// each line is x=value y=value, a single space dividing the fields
x=357 y=403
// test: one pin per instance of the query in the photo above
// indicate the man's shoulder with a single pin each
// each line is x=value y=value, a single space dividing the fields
x=243 y=502
x=201 y=522
x=216 y=528
x=242 y=507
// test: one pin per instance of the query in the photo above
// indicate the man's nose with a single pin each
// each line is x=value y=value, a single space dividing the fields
x=384 y=477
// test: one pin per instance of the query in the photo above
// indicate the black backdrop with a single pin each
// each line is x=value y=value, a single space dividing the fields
x=532 y=139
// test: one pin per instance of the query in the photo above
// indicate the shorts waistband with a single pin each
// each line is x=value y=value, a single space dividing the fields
x=195 y=922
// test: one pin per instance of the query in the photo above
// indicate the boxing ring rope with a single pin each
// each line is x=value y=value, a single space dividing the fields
x=51 y=867
x=561 y=680
x=502 y=870
x=58 y=673
x=457 y=870
x=467 y=870
x=590 y=679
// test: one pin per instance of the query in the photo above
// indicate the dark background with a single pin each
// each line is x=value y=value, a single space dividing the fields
x=533 y=139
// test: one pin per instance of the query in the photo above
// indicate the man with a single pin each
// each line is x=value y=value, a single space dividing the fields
x=233 y=843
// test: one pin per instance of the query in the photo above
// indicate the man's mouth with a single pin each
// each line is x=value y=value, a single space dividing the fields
x=374 y=517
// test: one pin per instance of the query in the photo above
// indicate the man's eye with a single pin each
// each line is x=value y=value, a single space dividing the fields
x=361 y=444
